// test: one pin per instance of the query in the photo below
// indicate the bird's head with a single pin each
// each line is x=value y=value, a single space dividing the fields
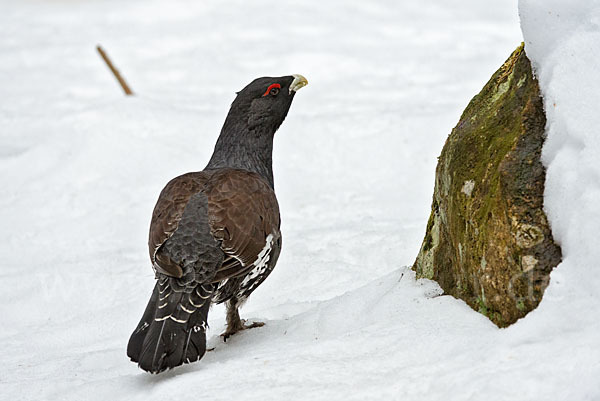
x=246 y=139
x=264 y=103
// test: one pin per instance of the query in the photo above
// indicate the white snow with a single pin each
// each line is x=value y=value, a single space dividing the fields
x=81 y=167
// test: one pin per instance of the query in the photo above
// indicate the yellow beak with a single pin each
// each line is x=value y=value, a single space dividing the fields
x=298 y=82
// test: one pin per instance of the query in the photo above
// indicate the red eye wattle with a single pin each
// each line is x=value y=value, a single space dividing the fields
x=271 y=87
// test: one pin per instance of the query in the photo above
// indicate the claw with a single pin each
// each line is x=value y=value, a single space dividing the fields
x=243 y=326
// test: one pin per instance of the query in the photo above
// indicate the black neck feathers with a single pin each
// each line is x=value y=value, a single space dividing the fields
x=246 y=140
x=244 y=148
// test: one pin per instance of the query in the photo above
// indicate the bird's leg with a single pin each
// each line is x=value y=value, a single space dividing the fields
x=234 y=323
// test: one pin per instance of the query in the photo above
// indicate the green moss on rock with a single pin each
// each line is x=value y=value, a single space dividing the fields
x=488 y=240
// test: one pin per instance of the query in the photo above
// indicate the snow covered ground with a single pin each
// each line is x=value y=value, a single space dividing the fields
x=81 y=166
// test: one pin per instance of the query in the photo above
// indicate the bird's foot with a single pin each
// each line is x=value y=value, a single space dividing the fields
x=239 y=327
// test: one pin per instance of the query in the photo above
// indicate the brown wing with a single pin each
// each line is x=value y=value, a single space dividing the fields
x=167 y=214
x=243 y=211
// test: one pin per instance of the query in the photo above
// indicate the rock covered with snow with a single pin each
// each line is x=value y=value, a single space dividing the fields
x=488 y=241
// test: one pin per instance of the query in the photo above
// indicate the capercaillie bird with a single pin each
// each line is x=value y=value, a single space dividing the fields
x=214 y=234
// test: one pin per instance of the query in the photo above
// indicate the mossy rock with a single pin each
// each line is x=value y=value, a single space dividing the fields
x=488 y=241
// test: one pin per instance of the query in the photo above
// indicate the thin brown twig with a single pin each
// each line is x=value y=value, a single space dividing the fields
x=116 y=72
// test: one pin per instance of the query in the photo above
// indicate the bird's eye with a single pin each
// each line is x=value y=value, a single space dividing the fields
x=272 y=90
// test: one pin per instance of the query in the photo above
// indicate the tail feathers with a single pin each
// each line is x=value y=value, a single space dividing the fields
x=134 y=347
x=173 y=328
